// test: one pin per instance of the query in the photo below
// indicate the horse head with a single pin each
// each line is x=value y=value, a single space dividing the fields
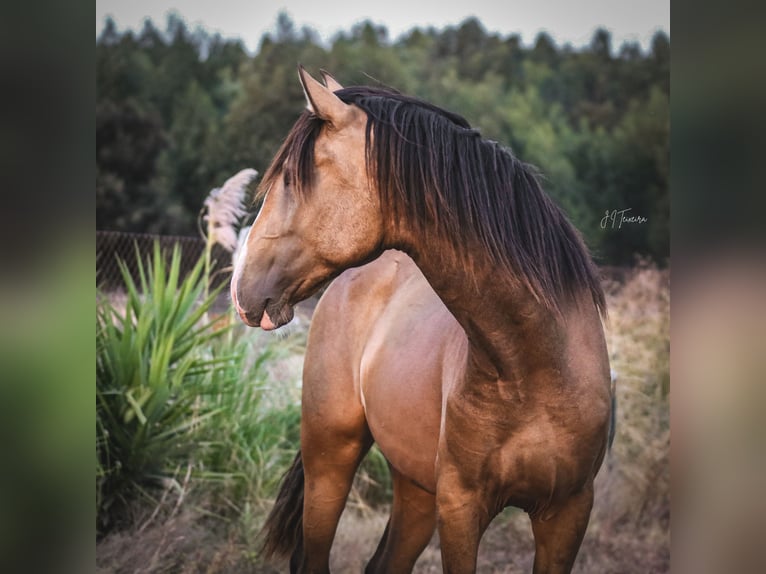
x=319 y=214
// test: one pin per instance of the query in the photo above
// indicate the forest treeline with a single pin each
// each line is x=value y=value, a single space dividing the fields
x=179 y=111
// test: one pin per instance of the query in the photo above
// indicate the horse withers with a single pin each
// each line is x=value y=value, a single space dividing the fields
x=463 y=335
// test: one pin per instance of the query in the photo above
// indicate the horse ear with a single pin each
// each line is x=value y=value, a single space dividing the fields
x=321 y=101
x=332 y=84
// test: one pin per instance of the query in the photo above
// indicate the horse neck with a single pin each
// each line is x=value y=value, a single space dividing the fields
x=509 y=332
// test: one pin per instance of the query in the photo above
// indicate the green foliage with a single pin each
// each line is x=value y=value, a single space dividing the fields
x=252 y=444
x=152 y=370
x=179 y=392
x=178 y=111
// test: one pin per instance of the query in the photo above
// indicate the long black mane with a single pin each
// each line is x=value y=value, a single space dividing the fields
x=437 y=173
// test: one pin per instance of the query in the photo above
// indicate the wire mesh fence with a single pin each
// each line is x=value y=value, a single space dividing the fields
x=112 y=246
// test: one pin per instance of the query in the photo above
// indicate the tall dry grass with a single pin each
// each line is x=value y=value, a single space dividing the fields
x=636 y=476
x=630 y=524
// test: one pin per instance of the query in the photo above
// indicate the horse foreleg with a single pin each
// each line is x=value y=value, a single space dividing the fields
x=409 y=529
x=557 y=539
x=462 y=520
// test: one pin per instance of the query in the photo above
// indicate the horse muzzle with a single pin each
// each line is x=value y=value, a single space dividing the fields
x=275 y=316
x=268 y=315
x=267 y=319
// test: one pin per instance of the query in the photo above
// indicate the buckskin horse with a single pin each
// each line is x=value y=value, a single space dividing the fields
x=463 y=333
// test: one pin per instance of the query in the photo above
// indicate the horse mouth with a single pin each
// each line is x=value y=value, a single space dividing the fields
x=273 y=316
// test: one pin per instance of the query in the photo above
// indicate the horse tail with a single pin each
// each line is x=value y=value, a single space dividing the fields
x=283 y=529
x=613 y=416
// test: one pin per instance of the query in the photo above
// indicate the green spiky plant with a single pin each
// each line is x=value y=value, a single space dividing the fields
x=153 y=367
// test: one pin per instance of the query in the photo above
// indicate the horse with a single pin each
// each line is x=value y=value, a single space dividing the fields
x=463 y=331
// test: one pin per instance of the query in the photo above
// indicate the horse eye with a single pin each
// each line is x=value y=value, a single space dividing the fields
x=286 y=178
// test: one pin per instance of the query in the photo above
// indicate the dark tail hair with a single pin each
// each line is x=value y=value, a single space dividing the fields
x=283 y=530
x=613 y=417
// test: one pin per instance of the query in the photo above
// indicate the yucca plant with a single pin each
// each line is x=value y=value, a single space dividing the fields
x=154 y=364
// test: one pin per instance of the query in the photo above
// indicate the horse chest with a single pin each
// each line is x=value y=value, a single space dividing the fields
x=523 y=456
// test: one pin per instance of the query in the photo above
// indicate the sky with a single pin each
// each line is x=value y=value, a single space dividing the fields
x=567 y=21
